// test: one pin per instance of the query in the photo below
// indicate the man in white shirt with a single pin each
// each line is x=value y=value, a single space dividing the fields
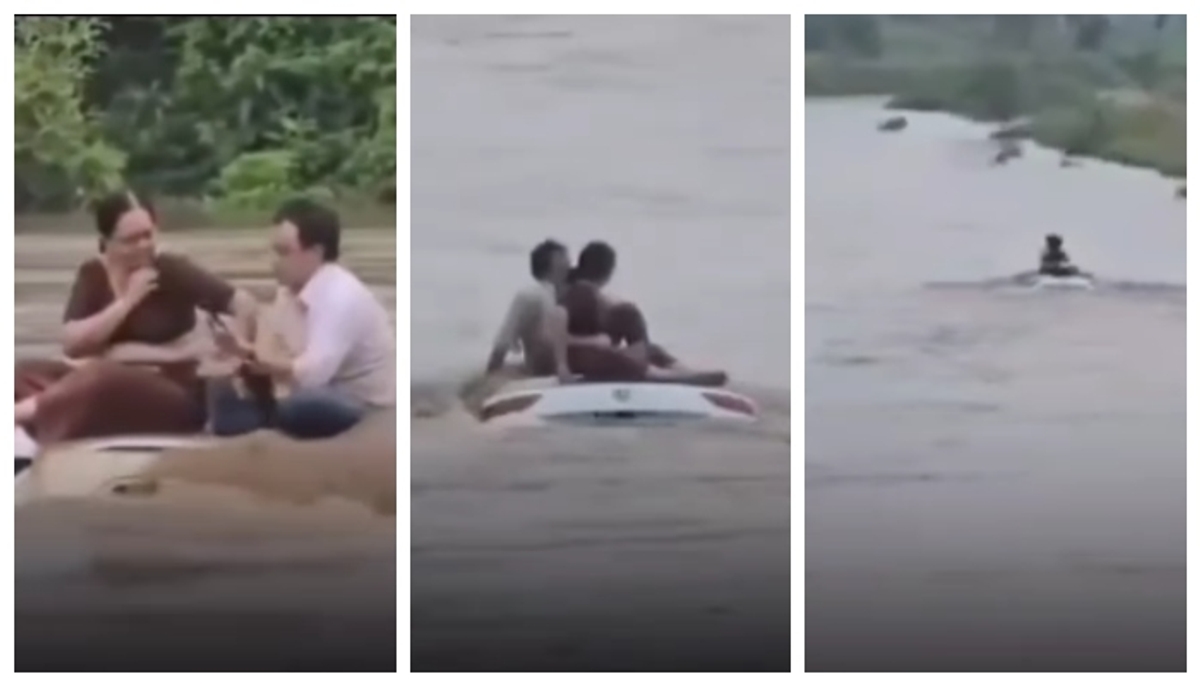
x=333 y=351
x=535 y=323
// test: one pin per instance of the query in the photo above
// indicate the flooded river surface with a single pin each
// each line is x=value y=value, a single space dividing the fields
x=607 y=548
x=995 y=478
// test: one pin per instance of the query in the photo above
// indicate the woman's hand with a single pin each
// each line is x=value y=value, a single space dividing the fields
x=191 y=347
x=146 y=353
x=141 y=283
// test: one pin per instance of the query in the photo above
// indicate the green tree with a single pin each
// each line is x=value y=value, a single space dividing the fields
x=310 y=86
x=1091 y=31
x=860 y=33
x=240 y=110
x=1145 y=68
x=59 y=156
x=994 y=89
x=1014 y=30
x=816 y=33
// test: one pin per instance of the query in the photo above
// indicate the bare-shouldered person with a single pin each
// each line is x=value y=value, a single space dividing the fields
x=535 y=323
x=624 y=351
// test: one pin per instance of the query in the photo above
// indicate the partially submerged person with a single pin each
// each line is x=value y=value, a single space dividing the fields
x=610 y=340
x=330 y=359
x=535 y=324
x=129 y=333
x=1054 y=260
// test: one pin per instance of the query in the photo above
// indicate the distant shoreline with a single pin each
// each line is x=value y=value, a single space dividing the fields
x=1147 y=132
x=189 y=215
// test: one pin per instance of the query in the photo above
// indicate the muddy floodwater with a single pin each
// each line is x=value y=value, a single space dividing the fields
x=263 y=554
x=613 y=548
x=995 y=476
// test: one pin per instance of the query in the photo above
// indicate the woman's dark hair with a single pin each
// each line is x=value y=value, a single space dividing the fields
x=596 y=262
x=1053 y=239
x=109 y=209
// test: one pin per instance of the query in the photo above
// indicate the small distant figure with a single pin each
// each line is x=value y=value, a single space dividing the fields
x=1054 y=260
x=1018 y=131
x=1181 y=192
x=1008 y=151
x=894 y=124
x=1068 y=161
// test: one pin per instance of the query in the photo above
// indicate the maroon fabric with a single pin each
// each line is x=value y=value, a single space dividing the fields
x=166 y=314
x=100 y=398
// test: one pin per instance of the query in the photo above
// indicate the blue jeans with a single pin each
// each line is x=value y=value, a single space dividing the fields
x=308 y=413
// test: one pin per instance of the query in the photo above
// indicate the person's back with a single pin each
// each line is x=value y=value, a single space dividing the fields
x=585 y=311
x=525 y=325
x=1054 y=260
x=590 y=316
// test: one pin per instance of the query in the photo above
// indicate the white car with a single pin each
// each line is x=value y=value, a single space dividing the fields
x=97 y=467
x=545 y=401
x=1075 y=282
x=1037 y=281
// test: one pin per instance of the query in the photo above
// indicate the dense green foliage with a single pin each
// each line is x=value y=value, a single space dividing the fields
x=237 y=112
x=856 y=33
x=1095 y=85
x=58 y=148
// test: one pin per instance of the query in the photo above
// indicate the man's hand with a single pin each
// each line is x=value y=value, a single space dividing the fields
x=230 y=344
x=280 y=370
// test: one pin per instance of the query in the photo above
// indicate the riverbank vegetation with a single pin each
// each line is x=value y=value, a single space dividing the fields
x=218 y=118
x=1111 y=87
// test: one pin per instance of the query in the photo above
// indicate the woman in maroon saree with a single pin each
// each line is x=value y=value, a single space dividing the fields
x=127 y=328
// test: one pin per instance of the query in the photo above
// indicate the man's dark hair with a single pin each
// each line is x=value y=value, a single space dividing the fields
x=596 y=262
x=542 y=257
x=315 y=225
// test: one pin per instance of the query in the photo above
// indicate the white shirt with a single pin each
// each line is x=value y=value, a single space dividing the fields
x=348 y=342
x=525 y=315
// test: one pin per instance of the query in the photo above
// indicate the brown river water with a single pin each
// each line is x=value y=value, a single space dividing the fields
x=995 y=477
x=606 y=548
